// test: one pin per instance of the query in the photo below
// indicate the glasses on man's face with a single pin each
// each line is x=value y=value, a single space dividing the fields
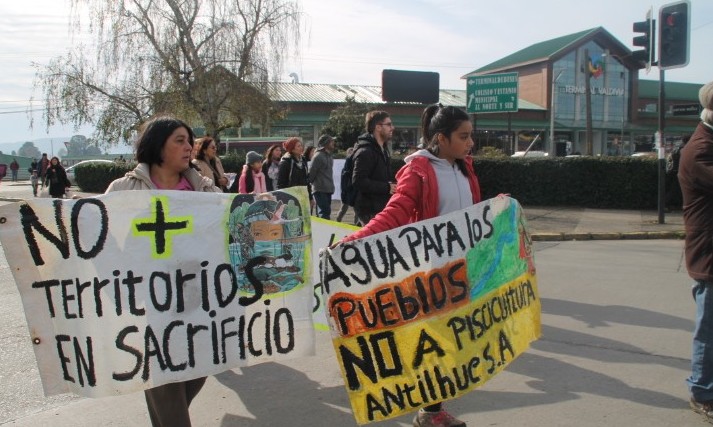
x=388 y=125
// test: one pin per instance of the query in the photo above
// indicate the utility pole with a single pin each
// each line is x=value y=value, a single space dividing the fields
x=588 y=100
x=553 y=149
x=662 y=146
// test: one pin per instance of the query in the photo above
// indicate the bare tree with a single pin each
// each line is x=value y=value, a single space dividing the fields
x=206 y=61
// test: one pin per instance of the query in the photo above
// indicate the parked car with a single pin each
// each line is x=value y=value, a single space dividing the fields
x=652 y=154
x=530 y=154
x=70 y=170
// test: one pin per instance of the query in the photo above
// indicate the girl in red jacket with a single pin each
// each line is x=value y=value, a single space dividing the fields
x=436 y=180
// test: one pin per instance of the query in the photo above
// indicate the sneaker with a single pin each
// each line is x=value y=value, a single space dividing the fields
x=436 y=419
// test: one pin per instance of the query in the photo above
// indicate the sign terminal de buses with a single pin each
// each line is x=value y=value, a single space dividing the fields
x=492 y=93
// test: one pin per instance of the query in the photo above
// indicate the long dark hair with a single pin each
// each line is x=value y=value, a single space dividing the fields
x=249 y=180
x=201 y=145
x=154 y=136
x=444 y=120
x=268 y=153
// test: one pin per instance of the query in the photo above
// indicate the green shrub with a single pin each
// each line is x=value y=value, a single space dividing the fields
x=96 y=177
x=234 y=161
x=594 y=182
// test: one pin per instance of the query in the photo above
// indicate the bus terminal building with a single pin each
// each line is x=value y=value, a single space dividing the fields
x=552 y=97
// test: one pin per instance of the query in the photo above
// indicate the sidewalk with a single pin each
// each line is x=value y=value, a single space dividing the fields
x=545 y=223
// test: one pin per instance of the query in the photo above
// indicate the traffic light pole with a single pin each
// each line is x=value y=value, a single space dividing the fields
x=661 y=147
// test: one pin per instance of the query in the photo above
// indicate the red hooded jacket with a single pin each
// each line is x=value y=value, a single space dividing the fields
x=415 y=199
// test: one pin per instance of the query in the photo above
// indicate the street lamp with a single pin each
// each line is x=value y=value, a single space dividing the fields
x=553 y=151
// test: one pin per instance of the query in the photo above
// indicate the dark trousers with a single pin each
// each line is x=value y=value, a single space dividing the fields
x=324 y=204
x=168 y=403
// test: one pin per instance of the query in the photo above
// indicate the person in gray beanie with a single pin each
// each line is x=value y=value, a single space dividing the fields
x=695 y=174
x=320 y=175
x=252 y=179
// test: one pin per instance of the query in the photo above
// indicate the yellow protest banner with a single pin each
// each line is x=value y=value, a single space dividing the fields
x=432 y=310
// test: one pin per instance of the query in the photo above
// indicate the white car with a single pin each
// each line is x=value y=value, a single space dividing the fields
x=530 y=154
x=70 y=170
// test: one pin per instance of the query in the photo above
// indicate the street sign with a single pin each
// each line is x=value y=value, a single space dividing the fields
x=686 y=109
x=492 y=93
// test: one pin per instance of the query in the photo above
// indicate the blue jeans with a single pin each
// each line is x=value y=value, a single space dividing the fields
x=700 y=383
x=324 y=204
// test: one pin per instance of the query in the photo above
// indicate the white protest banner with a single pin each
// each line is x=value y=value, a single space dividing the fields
x=324 y=234
x=432 y=310
x=135 y=289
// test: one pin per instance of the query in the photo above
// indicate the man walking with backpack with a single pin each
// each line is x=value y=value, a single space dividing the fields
x=372 y=167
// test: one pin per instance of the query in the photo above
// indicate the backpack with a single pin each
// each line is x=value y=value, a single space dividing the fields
x=348 y=192
x=672 y=160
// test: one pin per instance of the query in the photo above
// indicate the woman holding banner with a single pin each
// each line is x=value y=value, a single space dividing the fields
x=436 y=180
x=163 y=151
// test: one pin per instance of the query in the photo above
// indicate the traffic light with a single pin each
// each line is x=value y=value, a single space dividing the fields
x=674 y=35
x=647 y=55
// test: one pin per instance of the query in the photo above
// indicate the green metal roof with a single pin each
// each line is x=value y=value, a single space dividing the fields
x=538 y=52
x=674 y=90
x=337 y=94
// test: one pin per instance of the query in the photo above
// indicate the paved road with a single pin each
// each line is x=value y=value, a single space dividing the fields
x=617 y=317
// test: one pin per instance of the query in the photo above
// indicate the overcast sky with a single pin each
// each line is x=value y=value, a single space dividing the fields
x=351 y=41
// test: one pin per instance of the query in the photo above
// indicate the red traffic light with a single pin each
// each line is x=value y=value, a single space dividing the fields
x=674 y=34
x=670 y=19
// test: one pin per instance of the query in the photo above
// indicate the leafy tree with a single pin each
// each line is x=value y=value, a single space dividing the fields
x=80 y=145
x=346 y=122
x=28 y=149
x=206 y=61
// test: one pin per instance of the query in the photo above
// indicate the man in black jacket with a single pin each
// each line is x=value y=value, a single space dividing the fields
x=372 y=167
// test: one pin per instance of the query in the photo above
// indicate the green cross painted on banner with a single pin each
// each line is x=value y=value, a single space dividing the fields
x=161 y=227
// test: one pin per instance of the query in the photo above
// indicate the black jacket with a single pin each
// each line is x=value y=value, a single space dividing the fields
x=293 y=173
x=372 y=174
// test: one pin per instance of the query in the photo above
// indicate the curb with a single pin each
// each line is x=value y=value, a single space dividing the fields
x=632 y=235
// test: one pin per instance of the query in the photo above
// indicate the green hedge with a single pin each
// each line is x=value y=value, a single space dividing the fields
x=596 y=182
x=96 y=177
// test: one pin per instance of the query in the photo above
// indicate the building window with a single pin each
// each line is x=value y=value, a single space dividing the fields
x=306 y=133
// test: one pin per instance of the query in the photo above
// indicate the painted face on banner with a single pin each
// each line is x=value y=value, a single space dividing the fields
x=265 y=230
